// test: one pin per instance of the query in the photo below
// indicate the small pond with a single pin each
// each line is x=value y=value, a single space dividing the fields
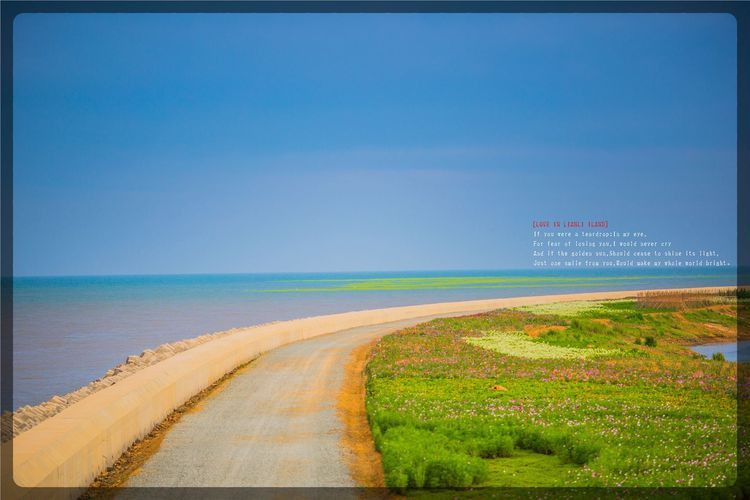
x=728 y=349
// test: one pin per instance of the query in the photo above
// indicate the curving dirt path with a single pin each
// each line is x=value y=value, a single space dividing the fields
x=286 y=420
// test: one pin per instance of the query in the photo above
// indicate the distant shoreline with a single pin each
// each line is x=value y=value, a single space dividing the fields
x=731 y=269
x=186 y=373
x=28 y=416
x=69 y=331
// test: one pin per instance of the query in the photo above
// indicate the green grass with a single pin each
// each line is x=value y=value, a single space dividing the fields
x=583 y=333
x=636 y=415
x=711 y=316
x=528 y=469
x=629 y=306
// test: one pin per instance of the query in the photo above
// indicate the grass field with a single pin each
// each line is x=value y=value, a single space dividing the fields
x=571 y=394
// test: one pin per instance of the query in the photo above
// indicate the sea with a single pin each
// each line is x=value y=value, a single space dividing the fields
x=68 y=331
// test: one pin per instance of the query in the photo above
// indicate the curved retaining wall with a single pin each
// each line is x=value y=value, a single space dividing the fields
x=67 y=451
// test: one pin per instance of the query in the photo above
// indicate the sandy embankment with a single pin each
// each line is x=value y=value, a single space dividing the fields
x=93 y=432
x=26 y=417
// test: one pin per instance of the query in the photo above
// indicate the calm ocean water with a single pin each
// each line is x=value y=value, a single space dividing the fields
x=71 y=330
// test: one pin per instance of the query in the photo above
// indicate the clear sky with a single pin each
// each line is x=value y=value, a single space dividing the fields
x=259 y=143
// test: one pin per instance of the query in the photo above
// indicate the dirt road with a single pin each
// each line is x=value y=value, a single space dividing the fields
x=274 y=424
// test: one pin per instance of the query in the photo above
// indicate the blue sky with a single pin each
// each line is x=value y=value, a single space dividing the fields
x=299 y=142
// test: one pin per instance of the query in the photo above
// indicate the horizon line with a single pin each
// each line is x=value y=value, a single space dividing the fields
x=245 y=273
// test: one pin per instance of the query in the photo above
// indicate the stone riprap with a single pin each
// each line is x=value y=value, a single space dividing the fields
x=26 y=417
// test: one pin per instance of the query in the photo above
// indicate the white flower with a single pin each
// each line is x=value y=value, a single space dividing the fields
x=520 y=345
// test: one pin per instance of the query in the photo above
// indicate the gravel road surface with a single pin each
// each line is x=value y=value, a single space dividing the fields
x=274 y=424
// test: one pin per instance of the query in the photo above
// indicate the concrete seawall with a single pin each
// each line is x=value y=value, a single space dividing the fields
x=68 y=450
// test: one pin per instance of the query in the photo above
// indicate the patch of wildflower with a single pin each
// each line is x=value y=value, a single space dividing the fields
x=520 y=345
x=564 y=309
x=663 y=418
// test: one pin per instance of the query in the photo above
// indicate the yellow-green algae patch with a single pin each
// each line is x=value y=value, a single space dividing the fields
x=448 y=282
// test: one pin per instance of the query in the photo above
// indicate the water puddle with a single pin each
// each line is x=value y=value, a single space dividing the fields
x=730 y=350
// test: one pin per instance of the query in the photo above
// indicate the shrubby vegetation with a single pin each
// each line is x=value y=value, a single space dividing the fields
x=458 y=402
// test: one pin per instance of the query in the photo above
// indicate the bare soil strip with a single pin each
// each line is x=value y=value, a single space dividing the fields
x=363 y=461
